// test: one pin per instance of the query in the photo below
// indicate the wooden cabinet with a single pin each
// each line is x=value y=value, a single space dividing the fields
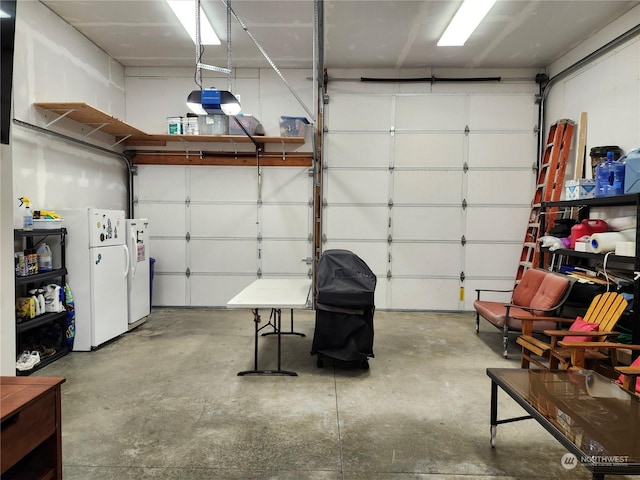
x=584 y=206
x=30 y=331
x=31 y=439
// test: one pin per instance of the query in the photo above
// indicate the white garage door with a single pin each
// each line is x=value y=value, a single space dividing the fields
x=213 y=229
x=433 y=191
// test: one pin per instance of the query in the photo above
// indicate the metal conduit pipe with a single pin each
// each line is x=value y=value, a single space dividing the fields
x=629 y=34
x=91 y=146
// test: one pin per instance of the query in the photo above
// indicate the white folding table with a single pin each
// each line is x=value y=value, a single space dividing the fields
x=275 y=294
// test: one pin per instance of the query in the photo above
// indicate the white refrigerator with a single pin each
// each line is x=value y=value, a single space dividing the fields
x=97 y=265
x=138 y=280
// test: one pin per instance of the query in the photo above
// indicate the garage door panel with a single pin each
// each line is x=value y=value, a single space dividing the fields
x=224 y=184
x=223 y=220
x=500 y=187
x=281 y=221
x=430 y=112
x=356 y=223
x=224 y=256
x=170 y=254
x=425 y=294
x=352 y=112
x=357 y=149
x=164 y=219
x=426 y=259
x=161 y=182
x=373 y=254
x=428 y=150
x=427 y=187
x=497 y=224
x=285 y=257
x=427 y=223
x=357 y=186
x=502 y=112
x=286 y=184
x=486 y=260
x=502 y=150
x=216 y=291
x=169 y=290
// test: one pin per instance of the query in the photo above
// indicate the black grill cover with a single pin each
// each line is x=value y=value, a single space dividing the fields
x=344 y=280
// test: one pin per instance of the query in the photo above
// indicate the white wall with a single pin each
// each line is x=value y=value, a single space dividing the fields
x=54 y=63
x=608 y=89
x=153 y=94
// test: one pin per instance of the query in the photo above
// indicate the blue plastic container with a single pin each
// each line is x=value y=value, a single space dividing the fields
x=632 y=172
x=609 y=178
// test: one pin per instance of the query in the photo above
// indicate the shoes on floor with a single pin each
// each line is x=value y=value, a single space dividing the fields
x=44 y=351
x=27 y=360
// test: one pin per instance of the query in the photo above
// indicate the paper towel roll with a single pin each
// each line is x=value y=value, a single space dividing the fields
x=626 y=249
x=606 y=241
x=619 y=224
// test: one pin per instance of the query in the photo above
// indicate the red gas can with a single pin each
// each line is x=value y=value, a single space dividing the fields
x=588 y=226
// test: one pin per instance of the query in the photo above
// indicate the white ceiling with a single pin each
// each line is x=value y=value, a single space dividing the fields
x=357 y=33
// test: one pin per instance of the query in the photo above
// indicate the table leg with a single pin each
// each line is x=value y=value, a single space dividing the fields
x=277 y=318
x=494 y=413
x=291 y=332
x=256 y=321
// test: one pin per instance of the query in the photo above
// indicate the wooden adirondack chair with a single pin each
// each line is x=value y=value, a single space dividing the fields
x=604 y=311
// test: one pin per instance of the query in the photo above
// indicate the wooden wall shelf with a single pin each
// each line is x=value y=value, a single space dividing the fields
x=131 y=137
x=269 y=159
x=83 y=113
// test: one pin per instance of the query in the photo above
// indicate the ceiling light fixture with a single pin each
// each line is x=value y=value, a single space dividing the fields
x=465 y=21
x=211 y=101
x=183 y=9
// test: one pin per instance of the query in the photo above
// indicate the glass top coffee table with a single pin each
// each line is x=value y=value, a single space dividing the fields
x=594 y=419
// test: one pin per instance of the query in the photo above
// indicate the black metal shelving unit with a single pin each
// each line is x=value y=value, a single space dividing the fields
x=26 y=240
x=587 y=203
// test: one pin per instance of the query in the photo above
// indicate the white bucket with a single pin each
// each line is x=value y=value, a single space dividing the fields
x=174 y=125
x=190 y=126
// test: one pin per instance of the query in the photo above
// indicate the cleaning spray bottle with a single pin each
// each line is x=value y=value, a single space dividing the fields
x=27 y=219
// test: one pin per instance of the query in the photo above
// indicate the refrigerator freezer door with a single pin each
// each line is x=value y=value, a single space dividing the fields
x=109 y=292
x=138 y=279
x=106 y=227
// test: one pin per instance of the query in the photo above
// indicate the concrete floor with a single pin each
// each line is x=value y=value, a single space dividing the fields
x=164 y=402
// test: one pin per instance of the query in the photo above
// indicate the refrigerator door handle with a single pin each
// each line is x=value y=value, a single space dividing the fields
x=126 y=260
x=134 y=245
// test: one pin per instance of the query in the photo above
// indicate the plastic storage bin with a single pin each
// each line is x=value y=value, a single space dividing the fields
x=213 y=124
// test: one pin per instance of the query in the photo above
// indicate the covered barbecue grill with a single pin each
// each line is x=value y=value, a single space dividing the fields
x=345 y=288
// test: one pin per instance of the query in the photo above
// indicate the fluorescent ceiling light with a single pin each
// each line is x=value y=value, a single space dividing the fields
x=185 y=10
x=4 y=14
x=465 y=21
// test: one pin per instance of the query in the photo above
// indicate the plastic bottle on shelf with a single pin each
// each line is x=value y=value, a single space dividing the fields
x=27 y=218
x=45 y=262
x=609 y=177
